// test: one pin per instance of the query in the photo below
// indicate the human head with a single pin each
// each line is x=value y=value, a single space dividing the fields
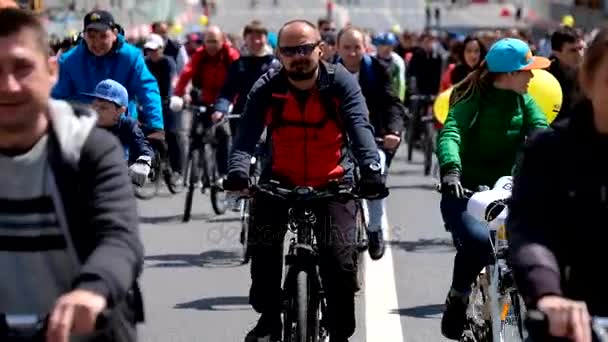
x=256 y=37
x=213 y=40
x=567 y=47
x=329 y=46
x=326 y=25
x=427 y=41
x=351 y=47
x=299 y=49
x=488 y=38
x=27 y=74
x=161 y=28
x=473 y=51
x=593 y=75
x=385 y=42
x=154 y=46
x=193 y=42
x=100 y=32
x=110 y=102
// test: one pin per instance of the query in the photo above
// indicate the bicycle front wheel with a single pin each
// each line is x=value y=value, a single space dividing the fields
x=429 y=147
x=302 y=297
x=194 y=175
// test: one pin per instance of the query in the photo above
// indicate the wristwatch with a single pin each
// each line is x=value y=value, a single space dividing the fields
x=375 y=167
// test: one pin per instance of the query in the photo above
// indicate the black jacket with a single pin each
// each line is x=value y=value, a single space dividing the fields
x=386 y=111
x=571 y=92
x=559 y=213
x=97 y=195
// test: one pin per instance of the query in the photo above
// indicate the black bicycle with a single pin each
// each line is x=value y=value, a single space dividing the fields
x=201 y=170
x=304 y=311
x=32 y=328
x=421 y=130
x=160 y=170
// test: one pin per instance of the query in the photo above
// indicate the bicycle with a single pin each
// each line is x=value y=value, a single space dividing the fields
x=422 y=125
x=32 y=327
x=304 y=303
x=496 y=309
x=160 y=170
x=201 y=167
x=537 y=324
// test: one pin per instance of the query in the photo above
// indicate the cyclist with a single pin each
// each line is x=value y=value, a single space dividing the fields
x=208 y=70
x=425 y=68
x=557 y=211
x=164 y=70
x=64 y=184
x=255 y=60
x=102 y=54
x=173 y=49
x=490 y=116
x=193 y=42
x=329 y=49
x=385 y=43
x=386 y=115
x=111 y=101
x=292 y=99
x=470 y=56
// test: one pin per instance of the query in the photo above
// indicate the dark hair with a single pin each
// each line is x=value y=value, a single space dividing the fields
x=295 y=21
x=595 y=52
x=13 y=21
x=348 y=29
x=467 y=40
x=323 y=21
x=255 y=26
x=156 y=25
x=562 y=36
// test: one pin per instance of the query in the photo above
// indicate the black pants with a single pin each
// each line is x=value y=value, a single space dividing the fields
x=174 y=139
x=336 y=237
x=222 y=136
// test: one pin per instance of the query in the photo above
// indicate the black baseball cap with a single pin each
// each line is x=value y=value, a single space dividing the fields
x=99 y=21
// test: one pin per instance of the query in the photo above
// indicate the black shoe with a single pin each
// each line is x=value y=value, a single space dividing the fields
x=454 y=317
x=376 y=244
x=268 y=329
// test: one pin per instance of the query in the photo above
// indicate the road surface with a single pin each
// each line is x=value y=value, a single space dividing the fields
x=196 y=290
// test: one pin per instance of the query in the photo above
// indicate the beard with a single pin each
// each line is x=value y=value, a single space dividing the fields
x=298 y=70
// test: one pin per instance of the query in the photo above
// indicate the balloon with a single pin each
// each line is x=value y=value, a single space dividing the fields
x=177 y=28
x=203 y=20
x=544 y=88
x=568 y=20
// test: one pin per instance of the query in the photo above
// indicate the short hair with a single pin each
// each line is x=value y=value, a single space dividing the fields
x=295 y=21
x=349 y=29
x=323 y=21
x=562 y=36
x=14 y=20
x=255 y=26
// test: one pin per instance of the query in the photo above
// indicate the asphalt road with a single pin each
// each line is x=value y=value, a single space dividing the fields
x=196 y=290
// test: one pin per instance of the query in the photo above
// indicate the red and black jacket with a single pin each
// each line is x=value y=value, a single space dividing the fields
x=310 y=135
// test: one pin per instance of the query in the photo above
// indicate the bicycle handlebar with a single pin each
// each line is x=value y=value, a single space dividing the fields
x=467 y=192
x=15 y=325
x=537 y=324
x=305 y=193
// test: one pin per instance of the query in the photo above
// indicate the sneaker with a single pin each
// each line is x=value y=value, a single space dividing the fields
x=376 y=244
x=455 y=316
x=268 y=329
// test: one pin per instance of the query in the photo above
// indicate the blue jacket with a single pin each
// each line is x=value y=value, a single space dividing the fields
x=132 y=139
x=80 y=71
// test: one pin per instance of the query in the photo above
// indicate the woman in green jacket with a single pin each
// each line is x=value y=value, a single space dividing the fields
x=490 y=116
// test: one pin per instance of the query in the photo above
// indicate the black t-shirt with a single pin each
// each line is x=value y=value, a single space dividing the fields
x=163 y=70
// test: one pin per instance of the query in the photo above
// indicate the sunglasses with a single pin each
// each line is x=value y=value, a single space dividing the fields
x=304 y=49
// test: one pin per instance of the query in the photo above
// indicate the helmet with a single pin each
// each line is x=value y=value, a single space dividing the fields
x=385 y=38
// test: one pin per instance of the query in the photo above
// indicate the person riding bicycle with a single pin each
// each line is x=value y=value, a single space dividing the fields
x=103 y=54
x=173 y=48
x=111 y=102
x=386 y=115
x=310 y=108
x=557 y=213
x=208 y=70
x=69 y=245
x=490 y=116
x=385 y=43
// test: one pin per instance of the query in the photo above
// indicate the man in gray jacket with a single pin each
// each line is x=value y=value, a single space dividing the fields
x=69 y=244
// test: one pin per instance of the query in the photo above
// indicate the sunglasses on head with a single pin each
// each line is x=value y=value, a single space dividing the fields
x=304 y=49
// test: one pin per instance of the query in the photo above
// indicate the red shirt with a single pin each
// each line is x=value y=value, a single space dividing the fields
x=210 y=72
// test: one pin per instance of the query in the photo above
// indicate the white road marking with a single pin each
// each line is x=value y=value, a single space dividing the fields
x=381 y=295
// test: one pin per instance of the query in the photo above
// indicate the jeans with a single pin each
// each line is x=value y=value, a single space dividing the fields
x=336 y=238
x=472 y=240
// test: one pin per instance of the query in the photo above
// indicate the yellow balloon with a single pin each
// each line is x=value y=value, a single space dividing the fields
x=177 y=28
x=568 y=20
x=544 y=88
x=203 y=20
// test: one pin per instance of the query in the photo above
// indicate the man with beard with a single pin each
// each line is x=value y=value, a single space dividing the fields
x=566 y=57
x=312 y=110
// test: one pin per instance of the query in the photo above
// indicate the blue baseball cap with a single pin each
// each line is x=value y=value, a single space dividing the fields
x=511 y=54
x=111 y=91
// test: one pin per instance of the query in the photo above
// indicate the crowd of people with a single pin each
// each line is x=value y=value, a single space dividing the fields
x=333 y=104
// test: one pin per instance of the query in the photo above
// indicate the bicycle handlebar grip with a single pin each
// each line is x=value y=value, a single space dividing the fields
x=537 y=324
x=103 y=319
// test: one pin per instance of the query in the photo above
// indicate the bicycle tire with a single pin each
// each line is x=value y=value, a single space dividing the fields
x=217 y=194
x=410 y=135
x=245 y=217
x=144 y=192
x=302 y=297
x=361 y=243
x=194 y=174
x=429 y=147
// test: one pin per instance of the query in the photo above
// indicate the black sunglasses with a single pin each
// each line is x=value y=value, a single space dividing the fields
x=304 y=49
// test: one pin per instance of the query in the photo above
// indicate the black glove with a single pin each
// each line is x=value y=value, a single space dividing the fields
x=235 y=182
x=372 y=185
x=450 y=184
